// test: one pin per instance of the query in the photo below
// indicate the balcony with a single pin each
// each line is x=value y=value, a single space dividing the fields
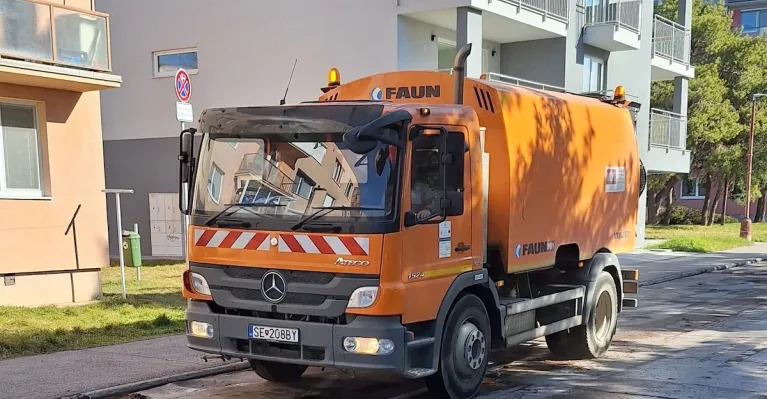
x=267 y=172
x=503 y=21
x=613 y=25
x=667 y=146
x=670 y=50
x=54 y=46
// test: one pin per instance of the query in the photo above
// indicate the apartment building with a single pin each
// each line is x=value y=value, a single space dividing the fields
x=242 y=53
x=751 y=15
x=54 y=62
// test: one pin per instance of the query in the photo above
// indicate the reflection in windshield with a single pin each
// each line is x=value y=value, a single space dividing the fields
x=294 y=175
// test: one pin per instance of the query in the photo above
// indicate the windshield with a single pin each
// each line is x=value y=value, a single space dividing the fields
x=284 y=176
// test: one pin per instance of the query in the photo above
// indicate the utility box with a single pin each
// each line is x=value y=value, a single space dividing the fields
x=132 y=248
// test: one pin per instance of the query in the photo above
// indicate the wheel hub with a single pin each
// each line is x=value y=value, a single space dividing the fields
x=470 y=349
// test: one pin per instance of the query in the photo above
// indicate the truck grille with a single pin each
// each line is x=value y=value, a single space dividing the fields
x=237 y=289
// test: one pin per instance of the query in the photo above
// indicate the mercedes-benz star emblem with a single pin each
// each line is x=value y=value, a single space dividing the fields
x=273 y=287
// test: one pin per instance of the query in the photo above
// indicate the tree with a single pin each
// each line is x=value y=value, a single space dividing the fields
x=729 y=67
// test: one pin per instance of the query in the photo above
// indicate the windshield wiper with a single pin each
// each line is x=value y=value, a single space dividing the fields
x=324 y=210
x=211 y=220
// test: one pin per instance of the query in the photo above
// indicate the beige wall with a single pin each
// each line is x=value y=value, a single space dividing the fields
x=32 y=238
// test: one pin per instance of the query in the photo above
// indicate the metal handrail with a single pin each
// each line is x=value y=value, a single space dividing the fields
x=671 y=40
x=515 y=81
x=555 y=9
x=624 y=13
x=55 y=34
x=668 y=129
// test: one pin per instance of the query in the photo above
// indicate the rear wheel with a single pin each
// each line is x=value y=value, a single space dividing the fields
x=277 y=372
x=592 y=339
x=464 y=351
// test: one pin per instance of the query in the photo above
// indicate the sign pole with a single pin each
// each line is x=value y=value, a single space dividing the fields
x=117 y=193
x=185 y=218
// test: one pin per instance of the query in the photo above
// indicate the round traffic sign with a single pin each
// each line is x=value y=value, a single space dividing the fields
x=183 y=86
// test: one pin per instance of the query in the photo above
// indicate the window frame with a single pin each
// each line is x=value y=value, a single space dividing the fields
x=303 y=178
x=338 y=172
x=214 y=167
x=757 y=12
x=602 y=74
x=156 y=62
x=687 y=180
x=40 y=140
x=325 y=200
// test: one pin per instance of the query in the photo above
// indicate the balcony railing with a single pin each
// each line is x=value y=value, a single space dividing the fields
x=671 y=40
x=268 y=171
x=557 y=9
x=668 y=130
x=512 y=80
x=54 y=34
x=624 y=13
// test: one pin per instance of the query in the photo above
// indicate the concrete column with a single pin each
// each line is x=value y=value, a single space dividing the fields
x=469 y=30
x=681 y=84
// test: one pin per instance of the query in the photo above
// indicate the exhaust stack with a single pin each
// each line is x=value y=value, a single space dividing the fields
x=459 y=72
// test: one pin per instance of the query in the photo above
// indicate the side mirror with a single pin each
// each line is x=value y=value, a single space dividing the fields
x=185 y=168
x=453 y=203
x=185 y=156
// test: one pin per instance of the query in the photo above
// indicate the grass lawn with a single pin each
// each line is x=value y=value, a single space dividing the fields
x=154 y=307
x=703 y=238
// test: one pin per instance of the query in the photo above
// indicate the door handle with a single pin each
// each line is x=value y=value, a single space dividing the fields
x=462 y=247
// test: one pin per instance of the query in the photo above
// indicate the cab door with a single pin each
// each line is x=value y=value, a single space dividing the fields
x=438 y=246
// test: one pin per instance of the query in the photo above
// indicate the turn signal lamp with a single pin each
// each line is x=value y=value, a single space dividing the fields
x=334 y=77
x=620 y=93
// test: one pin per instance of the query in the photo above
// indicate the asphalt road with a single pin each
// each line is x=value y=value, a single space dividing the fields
x=698 y=337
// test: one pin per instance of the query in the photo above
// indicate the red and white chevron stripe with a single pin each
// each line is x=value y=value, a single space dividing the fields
x=329 y=245
x=231 y=239
x=297 y=243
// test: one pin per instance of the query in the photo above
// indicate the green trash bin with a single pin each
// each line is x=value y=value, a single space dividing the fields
x=132 y=248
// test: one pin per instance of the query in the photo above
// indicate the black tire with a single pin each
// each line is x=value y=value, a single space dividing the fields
x=277 y=372
x=462 y=369
x=591 y=340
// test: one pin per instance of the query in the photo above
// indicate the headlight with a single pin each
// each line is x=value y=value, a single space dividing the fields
x=199 y=284
x=200 y=329
x=363 y=297
x=368 y=346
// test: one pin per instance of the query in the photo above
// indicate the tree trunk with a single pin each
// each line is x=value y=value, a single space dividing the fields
x=706 y=201
x=719 y=190
x=759 y=217
x=652 y=208
x=663 y=195
x=669 y=206
x=764 y=209
x=724 y=202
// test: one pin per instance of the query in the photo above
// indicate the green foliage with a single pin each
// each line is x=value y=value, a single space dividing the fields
x=729 y=68
x=682 y=215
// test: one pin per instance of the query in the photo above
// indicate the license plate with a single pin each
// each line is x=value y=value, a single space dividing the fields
x=273 y=334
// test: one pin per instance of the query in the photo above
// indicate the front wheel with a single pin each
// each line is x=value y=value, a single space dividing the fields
x=592 y=339
x=464 y=351
x=277 y=372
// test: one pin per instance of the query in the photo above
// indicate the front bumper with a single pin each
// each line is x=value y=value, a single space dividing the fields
x=320 y=344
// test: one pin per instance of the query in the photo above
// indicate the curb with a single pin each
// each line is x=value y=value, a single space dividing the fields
x=156 y=382
x=708 y=269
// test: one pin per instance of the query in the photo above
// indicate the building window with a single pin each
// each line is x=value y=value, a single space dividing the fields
x=593 y=74
x=166 y=63
x=348 y=190
x=303 y=185
x=754 y=22
x=338 y=172
x=693 y=188
x=20 y=159
x=329 y=200
x=215 y=179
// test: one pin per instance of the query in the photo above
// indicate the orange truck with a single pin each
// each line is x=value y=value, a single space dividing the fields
x=409 y=222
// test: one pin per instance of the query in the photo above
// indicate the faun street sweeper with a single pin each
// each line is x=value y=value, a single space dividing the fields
x=409 y=222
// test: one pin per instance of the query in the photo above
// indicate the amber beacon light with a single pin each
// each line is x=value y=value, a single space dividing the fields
x=334 y=77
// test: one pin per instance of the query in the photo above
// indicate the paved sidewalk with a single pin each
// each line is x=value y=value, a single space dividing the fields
x=656 y=266
x=72 y=372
